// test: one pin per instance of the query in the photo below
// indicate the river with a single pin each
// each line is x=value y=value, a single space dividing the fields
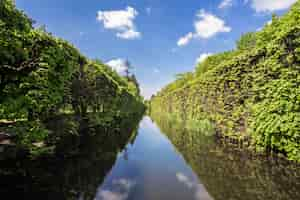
x=160 y=161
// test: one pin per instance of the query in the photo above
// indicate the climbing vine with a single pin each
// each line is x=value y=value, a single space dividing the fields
x=251 y=92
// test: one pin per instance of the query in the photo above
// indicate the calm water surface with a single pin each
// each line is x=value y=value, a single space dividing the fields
x=151 y=168
x=159 y=160
x=194 y=167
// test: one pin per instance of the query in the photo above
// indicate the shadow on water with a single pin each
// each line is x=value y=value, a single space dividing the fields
x=84 y=154
x=231 y=173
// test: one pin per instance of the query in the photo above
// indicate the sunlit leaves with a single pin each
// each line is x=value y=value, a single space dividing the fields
x=41 y=76
x=252 y=91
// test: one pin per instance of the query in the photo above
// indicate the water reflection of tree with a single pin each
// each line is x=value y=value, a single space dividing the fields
x=79 y=164
x=230 y=173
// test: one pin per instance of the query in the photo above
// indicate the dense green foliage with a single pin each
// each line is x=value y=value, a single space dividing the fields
x=228 y=172
x=247 y=41
x=42 y=76
x=252 y=92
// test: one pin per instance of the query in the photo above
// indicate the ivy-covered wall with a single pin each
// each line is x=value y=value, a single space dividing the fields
x=253 y=91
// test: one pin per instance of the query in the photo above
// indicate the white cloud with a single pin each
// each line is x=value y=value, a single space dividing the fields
x=269 y=22
x=129 y=34
x=119 y=65
x=121 y=21
x=270 y=5
x=124 y=183
x=148 y=10
x=184 y=179
x=208 y=25
x=199 y=190
x=225 y=4
x=156 y=70
x=259 y=29
x=121 y=189
x=185 y=39
x=202 y=57
x=109 y=195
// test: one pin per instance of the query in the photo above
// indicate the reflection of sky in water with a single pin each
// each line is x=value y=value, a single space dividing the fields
x=119 y=191
x=198 y=189
x=151 y=169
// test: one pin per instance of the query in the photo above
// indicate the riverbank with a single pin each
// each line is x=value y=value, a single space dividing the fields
x=208 y=129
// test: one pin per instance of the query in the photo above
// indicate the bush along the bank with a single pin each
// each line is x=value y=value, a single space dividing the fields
x=42 y=76
x=251 y=92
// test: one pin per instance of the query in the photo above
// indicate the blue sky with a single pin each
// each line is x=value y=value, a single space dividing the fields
x=159 y=38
